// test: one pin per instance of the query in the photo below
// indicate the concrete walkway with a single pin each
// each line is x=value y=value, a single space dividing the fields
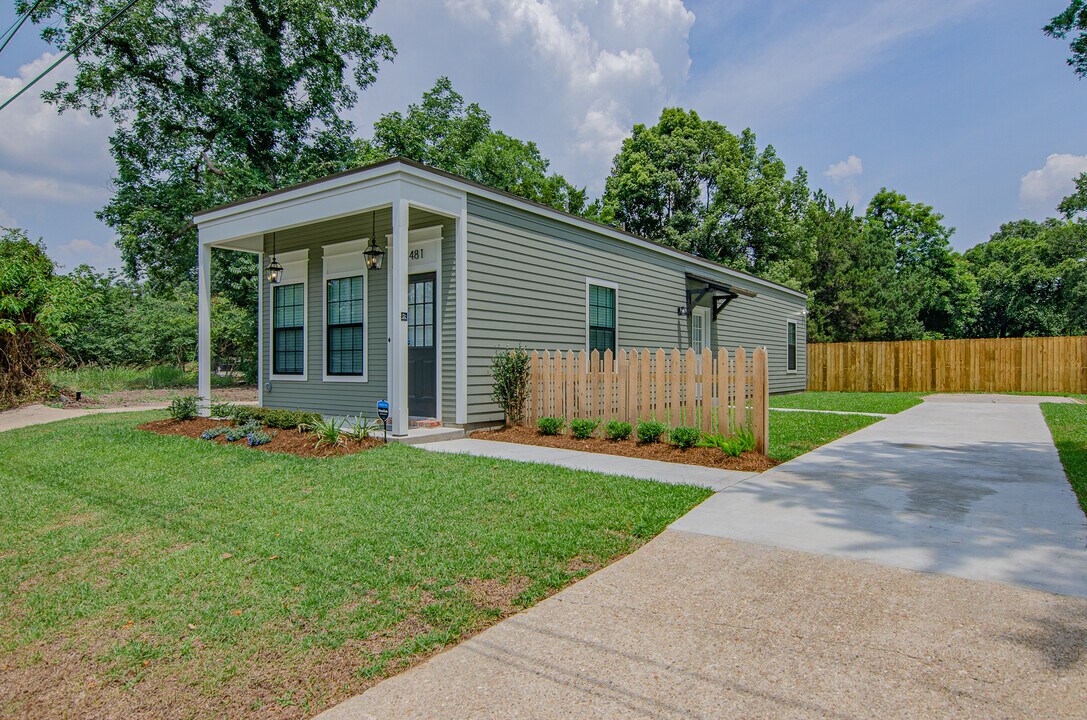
x=674 y=473
x=40 y=414
x=693 y=626
x=966 y=485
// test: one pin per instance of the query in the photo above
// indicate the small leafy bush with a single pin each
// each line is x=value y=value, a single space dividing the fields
x=362 y=428
x=551 y=425
x=239 y=431
x=212 y=433
x=510 y=371
x=328 y=432
x=257 y=437
x=273 y=417
x=184 y=407
x=650 y=431
x=618 y=430
x=684 y=437
x=731 y=445
x=583 y=428
x=222 y=410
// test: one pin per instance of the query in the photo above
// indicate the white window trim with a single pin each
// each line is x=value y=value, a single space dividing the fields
x=601 y=283
x=295 y=270
x=796 y=334
x=707 y=336
x=332 y=253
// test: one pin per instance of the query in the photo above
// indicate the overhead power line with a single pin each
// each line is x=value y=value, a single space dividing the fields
x=10 y=33
x=98 y=31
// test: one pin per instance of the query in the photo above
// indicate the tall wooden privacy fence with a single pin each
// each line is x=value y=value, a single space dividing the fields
x=718 y=392
x=1051 y=365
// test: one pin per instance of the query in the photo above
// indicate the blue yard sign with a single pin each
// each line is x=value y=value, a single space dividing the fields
x=383 y=413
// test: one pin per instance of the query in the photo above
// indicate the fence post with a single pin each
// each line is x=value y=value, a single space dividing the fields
x=533 y=389
x=760 y=402
x=608 y=371
x=644 y=398
x=741 y=387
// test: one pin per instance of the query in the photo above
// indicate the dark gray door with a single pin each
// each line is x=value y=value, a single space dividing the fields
x=422 y=352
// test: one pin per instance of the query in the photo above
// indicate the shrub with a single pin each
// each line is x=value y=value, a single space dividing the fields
x=617 y=430
x=257 y=437
x=728 y=444
x=212 y=433
x=551 y=425
x=221 y=410
x=184 y=407
x=273 y=417
x=328 y=432
x=510 y=371
x=684 y=437
x=583 y=428
x=240 y=431
x=650 y=431
x=747 y=439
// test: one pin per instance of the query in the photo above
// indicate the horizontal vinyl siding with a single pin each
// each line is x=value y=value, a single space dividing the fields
x=334 y=398
x=348 y=398
x=526 y=287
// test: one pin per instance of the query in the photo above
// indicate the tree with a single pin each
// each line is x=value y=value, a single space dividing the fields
x=443 y=132
x=936 y=296
x=1033 y=279
x=691 y=184
x=1076 y=203
x=1072 y=20
x=211 y=103
x=30 y=313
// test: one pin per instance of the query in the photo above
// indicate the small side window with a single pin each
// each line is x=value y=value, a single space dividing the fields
x=792 y=346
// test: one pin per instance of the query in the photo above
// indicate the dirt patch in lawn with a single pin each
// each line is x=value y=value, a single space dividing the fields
x=496 y=595
x=708 y=457
x=136 y=398
x=292 y=442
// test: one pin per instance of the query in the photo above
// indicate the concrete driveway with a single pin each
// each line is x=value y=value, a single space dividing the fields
x=700 y=625
x=965 y=485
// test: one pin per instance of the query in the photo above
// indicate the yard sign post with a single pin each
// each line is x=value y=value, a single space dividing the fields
x=383 y=413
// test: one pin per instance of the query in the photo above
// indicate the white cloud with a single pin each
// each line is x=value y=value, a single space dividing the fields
x=844 y=173
x=101 y=255
x=848 y=168
x=6 y=220
x=1044 y=188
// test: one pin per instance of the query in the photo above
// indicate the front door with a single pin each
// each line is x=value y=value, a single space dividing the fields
x=422 y=338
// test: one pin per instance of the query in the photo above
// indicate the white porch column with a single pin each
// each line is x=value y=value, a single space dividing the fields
x=462 y=315
x=203 y=330
x=398 y=317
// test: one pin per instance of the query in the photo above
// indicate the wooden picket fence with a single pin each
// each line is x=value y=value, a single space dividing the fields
x=1049 y=365
x=717 y=392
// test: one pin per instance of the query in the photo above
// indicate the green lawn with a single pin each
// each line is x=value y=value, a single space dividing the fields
x=1068 y=424
x=139 y=571
x=94 y=380
x=795 y=433
x=884 y=403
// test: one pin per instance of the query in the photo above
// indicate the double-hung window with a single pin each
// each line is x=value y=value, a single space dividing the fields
x=345 y=312
x=602 y=310
x=791 y=349
x=345 y=325
x=288 y=329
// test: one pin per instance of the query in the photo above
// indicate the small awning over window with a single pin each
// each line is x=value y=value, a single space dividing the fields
x=722 y=294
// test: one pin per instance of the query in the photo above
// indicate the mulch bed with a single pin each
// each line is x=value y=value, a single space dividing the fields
x=283 y=441
x=665 y=452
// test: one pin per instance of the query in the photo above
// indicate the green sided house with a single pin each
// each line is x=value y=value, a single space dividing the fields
x=399 y=282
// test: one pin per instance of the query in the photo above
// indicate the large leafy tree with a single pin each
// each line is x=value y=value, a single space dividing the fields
x=1071 y=25
x=211 y=101
x=444 y=132
x=692 y=184
x=1033 y=279
x=937 y=297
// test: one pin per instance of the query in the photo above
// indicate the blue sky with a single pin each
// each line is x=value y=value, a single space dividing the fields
x=961 y=104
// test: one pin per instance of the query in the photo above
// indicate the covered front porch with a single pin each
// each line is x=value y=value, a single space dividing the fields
x=337 y=334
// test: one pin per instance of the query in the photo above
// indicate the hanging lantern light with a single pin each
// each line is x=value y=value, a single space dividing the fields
x=275 y=271
x=374 y=254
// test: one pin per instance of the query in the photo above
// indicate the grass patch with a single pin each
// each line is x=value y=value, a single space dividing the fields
x=873 y=402
x=795 y=433
x=94 y=380
x=141 y=572
x=1068 y=425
